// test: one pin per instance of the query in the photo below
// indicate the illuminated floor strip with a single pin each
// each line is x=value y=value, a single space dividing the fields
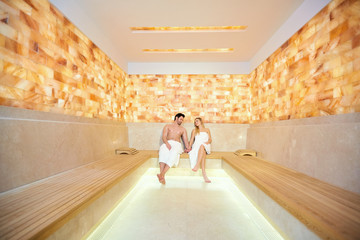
x=185 y=208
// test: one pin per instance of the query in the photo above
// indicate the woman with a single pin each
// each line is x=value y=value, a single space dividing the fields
x=200 y=147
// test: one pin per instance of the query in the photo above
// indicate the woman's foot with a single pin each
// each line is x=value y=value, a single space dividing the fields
x=195 y=168
x=207 y=180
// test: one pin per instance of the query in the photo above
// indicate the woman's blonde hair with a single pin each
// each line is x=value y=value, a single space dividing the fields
x=197 y=129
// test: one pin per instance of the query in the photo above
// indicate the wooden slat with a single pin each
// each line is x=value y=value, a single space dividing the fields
x=329 y=211
x=37 y=210
x=59 y=183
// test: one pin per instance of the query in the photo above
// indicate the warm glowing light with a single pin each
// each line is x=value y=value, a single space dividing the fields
x=189 y=50
x=188 y=29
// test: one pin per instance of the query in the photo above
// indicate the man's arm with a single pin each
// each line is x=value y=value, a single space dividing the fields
x=192 y=138
x=185 y=140
x=164 y=136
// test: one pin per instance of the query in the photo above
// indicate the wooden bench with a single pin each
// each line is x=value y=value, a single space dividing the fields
x=37 y=210
x=329 y=211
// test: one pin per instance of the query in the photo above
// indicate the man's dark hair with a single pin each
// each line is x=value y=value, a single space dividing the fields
x=179 y=115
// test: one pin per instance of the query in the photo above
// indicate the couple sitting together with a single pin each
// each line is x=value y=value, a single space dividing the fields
x=170 y=150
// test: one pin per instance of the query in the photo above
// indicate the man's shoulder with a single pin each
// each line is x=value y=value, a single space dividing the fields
x=182 y=128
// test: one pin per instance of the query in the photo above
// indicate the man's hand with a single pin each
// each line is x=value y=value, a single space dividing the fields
x=168 y=145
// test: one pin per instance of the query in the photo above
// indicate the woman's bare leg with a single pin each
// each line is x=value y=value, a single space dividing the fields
x=203 y=163
x=201 y=155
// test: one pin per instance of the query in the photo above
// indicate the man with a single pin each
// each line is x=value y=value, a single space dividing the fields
x=170 y=150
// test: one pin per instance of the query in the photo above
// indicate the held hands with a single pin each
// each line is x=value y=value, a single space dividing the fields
x=187 y=150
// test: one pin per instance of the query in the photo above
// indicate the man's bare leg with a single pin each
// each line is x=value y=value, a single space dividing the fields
x=162 y=166
x=201 y=155
x=161 y=176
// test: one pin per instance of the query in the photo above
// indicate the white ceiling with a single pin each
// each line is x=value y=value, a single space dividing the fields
x=107 y=23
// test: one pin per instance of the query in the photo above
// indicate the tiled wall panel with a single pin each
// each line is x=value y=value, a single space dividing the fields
x=216 y=98
x=316 y=72
x=47 y=64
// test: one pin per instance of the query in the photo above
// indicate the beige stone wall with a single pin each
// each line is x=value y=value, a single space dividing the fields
x=35 y=145
x=225 y=137
x=326 y=148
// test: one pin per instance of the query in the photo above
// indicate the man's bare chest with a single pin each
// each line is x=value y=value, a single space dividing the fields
x=175 y=131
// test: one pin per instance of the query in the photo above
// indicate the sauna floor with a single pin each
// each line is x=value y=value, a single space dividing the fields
x=185 y=208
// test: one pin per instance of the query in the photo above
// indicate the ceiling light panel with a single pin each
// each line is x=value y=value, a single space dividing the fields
x=188 y=29
x=190 y=50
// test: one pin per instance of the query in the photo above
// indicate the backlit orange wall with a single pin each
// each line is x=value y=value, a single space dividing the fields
x=47 y=64
x=316 y=72
x=216 y=98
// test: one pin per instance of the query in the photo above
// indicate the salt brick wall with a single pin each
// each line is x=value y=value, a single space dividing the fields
x=316 y=72
x=47 y=64
x=216 y=98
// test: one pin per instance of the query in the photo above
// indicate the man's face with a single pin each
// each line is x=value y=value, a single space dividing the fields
x=179 y=120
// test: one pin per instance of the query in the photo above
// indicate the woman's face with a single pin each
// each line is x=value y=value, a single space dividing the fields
x=197 y=122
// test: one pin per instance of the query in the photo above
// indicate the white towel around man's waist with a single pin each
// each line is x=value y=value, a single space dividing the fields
x=170 y=157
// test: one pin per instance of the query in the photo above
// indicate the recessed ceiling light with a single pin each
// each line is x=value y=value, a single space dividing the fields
x=189 y=50
x=188 y=29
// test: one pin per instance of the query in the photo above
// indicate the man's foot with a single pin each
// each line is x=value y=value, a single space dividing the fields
x=163 y=181
x=159 y=177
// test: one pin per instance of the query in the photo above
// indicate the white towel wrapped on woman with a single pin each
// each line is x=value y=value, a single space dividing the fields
x=200 y=139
